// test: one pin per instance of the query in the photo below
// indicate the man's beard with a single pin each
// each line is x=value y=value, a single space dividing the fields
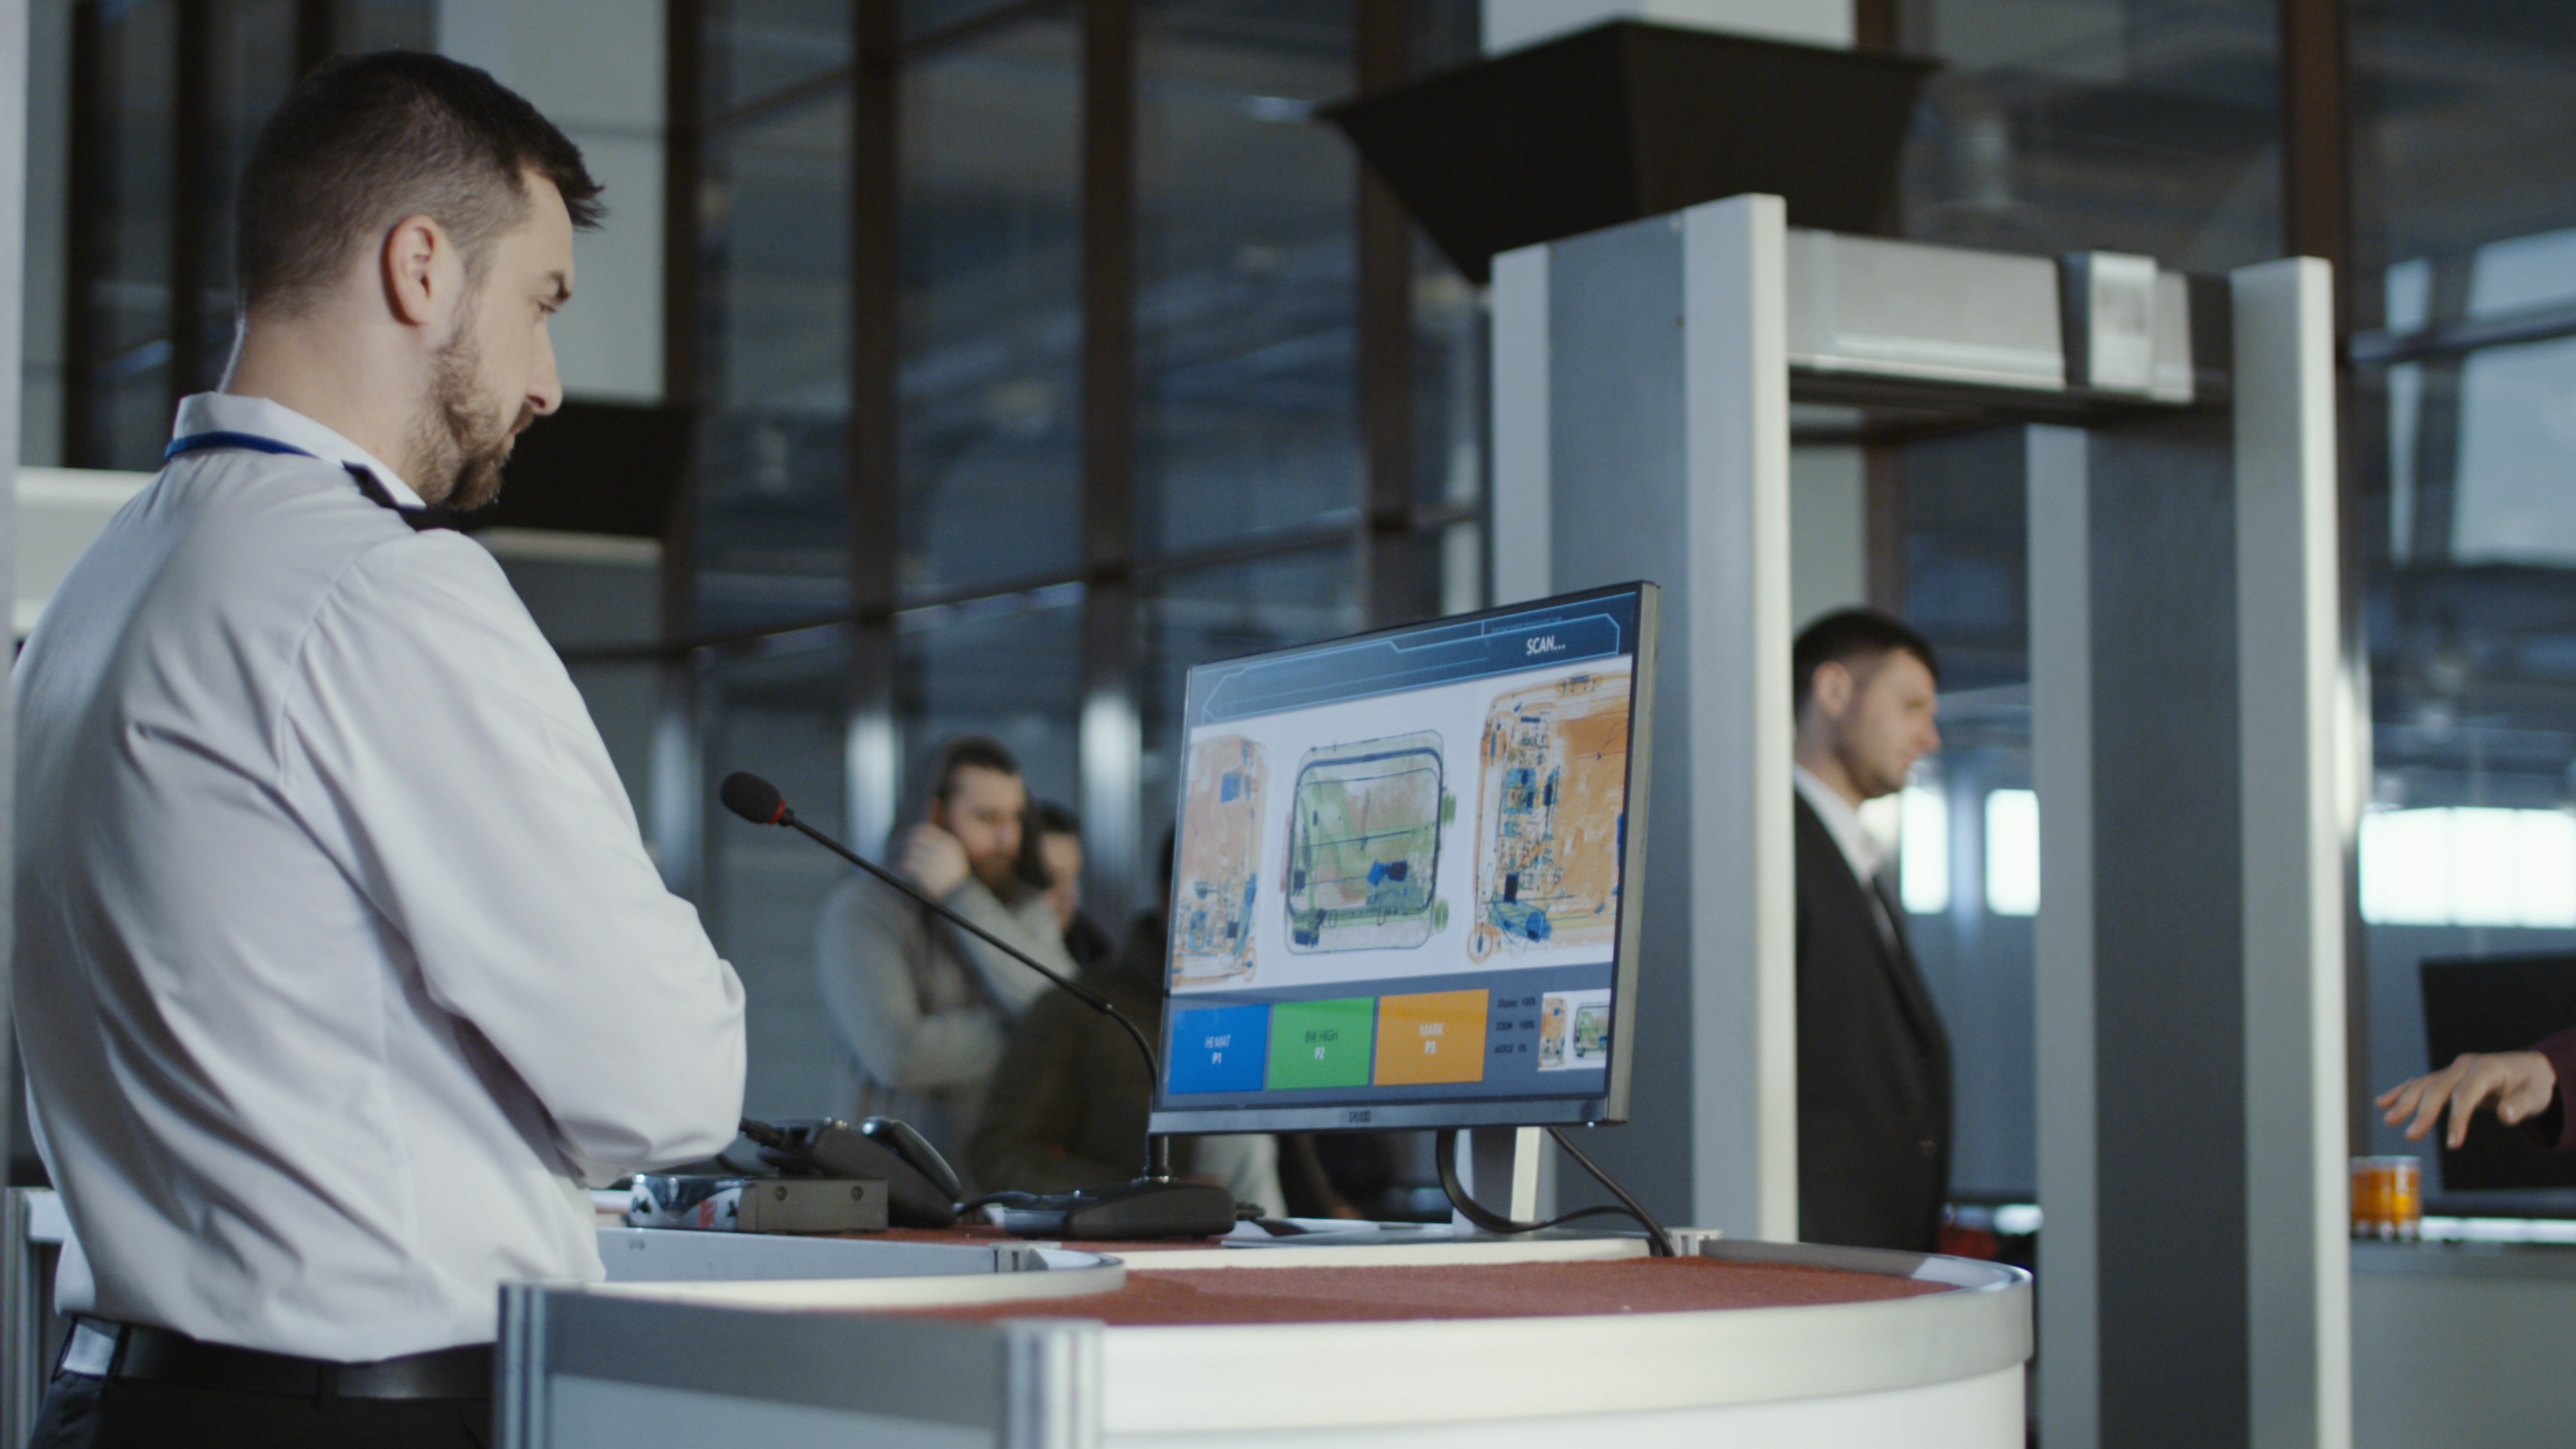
x=999 y=873
x=454 y=442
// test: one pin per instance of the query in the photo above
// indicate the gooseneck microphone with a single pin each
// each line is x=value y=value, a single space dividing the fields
x=1154 y=1205
x=754 y=799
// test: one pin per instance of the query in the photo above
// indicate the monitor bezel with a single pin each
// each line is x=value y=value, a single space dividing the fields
x=1610 y=1105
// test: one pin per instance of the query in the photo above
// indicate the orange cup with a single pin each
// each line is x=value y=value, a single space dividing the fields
x=2387 y=1197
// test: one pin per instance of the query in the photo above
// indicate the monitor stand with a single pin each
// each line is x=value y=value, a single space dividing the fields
x=1501 y=1171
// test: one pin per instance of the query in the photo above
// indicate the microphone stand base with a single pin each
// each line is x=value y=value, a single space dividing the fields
x=1125 y=1212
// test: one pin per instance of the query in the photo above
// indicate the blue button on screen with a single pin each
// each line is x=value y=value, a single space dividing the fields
x=1220 y=1048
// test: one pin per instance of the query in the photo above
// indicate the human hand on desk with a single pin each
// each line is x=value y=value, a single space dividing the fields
x=935 y=859
x=2520 y=1083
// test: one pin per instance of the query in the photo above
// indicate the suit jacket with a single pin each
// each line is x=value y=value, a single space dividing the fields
x=1873 y=1066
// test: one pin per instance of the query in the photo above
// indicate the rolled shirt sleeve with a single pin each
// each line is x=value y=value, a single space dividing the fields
x=2551 y=1129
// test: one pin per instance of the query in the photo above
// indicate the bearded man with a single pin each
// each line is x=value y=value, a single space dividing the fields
x=921 y=1008
x=341 y=968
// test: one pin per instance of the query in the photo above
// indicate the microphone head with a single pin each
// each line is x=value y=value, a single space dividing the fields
x=753 y=798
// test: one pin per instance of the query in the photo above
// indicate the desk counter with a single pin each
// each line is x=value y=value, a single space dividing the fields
x=1489 y=1342
x=2461 y=1343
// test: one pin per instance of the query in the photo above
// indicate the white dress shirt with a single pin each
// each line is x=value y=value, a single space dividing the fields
x=1861 y=850
x=340 y=964
x=1842 y=821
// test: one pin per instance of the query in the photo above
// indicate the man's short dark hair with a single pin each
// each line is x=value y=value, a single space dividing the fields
x=981 y=752
x=367 y=140
x=1849 y=637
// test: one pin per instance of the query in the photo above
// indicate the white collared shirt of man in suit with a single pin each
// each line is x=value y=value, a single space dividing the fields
x=1861 y=850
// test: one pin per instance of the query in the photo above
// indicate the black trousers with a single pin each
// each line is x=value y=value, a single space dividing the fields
x=81 y=1412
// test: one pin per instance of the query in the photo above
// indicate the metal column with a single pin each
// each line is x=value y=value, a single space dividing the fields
x=14 y=41
x=2297 y=777
x=2190 y=996
x=2192 y=774
x=1656 y=356
x=2061 y=707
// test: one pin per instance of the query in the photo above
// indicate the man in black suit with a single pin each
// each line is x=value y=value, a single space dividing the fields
x=1873 y=1061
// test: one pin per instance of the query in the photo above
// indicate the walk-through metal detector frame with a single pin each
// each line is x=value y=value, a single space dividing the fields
x=2191 y=752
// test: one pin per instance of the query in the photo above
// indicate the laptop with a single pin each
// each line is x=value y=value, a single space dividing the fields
x=2491 y=1004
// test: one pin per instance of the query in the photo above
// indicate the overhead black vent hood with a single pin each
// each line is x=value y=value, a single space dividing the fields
x=1630 y=120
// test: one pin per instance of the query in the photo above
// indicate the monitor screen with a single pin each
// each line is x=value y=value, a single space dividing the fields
x=1404 y=876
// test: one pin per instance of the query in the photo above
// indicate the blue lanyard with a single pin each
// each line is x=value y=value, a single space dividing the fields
x=421 y=519
x=200 y=442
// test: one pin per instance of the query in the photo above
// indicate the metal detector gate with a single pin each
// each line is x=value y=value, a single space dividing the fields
x=2179 y=442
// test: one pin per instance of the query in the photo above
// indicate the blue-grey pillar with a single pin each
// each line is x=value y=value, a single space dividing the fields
x=2190 y=1015
x=1642 y=431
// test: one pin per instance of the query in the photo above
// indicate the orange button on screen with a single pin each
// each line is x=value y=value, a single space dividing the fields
x=1435 y=1036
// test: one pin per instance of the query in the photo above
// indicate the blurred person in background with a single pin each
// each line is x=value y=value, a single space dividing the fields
x=1059 y=847
x=919 y=1007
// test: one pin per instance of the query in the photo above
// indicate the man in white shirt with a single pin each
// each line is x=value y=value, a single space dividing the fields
x=341 y=969
x=1873 y=1059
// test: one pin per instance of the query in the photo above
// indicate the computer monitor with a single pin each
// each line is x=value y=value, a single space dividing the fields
x=1405 y=876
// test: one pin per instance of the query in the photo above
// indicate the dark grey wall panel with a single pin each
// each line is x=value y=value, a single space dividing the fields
x=2169 y=1023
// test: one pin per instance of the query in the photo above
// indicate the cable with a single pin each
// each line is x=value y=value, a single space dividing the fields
x=1654 y=1230
x=1658 y=1243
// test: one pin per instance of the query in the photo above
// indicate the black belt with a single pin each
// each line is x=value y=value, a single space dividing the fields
x=156 y=1355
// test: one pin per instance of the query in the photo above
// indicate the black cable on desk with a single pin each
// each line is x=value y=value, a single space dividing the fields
x=1658 y=1242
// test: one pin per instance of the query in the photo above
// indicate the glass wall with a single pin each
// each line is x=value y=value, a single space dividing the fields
x=992 y=563
x=2463 y=302
x=2147 y=126
x=991 y=320
x=752 y=50
x=126 y=302
x=164 y=101
x=2143 y=126
x=1008 y=666
x=1247 y=297
x=774 y=364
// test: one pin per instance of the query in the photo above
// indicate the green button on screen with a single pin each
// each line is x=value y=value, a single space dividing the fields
x=1321 y=1043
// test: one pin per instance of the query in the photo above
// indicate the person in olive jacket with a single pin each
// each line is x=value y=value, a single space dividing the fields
x=1069 y=1101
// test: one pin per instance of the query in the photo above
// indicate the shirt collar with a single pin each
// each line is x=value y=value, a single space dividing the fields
x=1842 y=821
x=223 y=412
